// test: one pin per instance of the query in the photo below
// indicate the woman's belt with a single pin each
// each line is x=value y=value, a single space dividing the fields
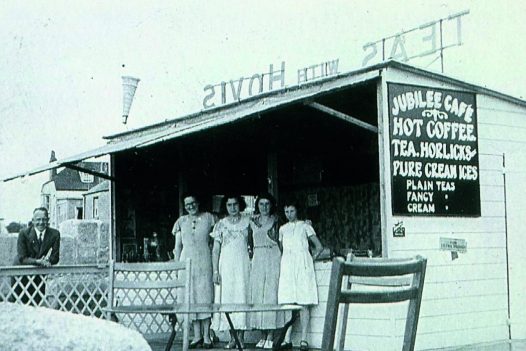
x=269 y=246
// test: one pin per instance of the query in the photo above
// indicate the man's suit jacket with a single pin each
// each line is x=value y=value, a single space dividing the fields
x=29 y=250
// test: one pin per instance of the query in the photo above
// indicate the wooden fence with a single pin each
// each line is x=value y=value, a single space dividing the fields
x=81 y=289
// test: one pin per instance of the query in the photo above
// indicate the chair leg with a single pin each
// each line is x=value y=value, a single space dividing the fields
x=342 y=327
x=410 y=327
x=173 y=322
x=234 y=332
x=186 y=332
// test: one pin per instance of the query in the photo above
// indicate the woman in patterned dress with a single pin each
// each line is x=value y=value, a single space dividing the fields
x=264 y=274
x=297 y=280
x=192 y=236
x=231 y=262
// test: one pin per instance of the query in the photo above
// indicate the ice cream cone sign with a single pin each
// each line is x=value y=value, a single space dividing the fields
x=129 y=85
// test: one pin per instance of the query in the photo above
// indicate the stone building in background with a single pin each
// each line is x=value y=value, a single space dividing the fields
x=63 y=193
x=97 y=202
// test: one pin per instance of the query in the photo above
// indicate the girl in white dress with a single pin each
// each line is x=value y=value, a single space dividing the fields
x=297 y=279
x=231 y=263
x=264 y=273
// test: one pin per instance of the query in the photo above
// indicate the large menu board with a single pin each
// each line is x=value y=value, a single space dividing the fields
x=434 y=151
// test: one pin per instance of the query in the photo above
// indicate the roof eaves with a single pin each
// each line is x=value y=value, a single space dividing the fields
x=455 y=81
x=204 y=114
x=173 y=123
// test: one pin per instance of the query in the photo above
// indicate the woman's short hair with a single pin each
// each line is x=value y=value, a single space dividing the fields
x=190 y=194
x=240 y=201
x=296 y=205
x=291 y=203
x=266 y=196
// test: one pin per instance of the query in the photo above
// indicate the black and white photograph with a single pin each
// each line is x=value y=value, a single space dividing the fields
x=285 y=175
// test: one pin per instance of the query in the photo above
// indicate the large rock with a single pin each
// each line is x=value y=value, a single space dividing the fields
x=25 y=328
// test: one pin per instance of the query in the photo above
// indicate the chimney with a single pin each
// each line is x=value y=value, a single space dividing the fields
x=129 y=85
x=52 y=172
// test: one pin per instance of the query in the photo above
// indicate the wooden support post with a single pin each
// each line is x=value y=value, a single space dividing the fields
x=272 y=173
x=113 y=208
x=181 y=179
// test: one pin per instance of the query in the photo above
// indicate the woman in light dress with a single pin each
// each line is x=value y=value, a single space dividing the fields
x=264 y=274
x=297 y=280
x=231 y=263
x=192 y=236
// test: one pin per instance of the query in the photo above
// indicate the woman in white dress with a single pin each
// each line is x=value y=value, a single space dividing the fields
x=297 y=279
x=231 y=263
x=264 y=274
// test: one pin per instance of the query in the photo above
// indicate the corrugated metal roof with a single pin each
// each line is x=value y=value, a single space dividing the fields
x=255 y=105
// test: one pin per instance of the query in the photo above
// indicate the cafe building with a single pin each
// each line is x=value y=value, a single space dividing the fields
x=389 y=160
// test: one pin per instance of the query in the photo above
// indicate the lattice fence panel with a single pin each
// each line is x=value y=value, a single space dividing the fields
x=145 y=323
x=84 y=290
x=82 y=293
x=77 y=289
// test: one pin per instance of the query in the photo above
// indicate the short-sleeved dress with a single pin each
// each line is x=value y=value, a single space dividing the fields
x=297 y=279
x=264 y=275
x=234 y=268
x=195 y=238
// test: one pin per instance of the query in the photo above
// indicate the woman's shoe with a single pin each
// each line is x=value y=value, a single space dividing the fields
x=208 y=345
x=260 y=344
x=286 y=346
x=304 y=346
x=268 y=345
x=231 y=345
x=195 y=344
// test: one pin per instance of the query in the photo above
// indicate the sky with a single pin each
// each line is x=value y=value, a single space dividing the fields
x=61 y=65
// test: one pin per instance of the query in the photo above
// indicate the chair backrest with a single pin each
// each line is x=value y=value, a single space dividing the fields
x=381 y=280
x=145 y=284
x=137 y=286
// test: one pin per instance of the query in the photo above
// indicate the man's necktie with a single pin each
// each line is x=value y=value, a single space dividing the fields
x=40 y=240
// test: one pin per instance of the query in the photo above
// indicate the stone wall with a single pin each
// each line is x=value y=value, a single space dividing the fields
x=7 y=248
x=84 y=242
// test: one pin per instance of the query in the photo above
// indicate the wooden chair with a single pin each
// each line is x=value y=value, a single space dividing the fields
x=386 y=281
x=150 y=288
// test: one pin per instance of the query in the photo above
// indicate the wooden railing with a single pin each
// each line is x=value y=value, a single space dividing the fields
x=81 y=289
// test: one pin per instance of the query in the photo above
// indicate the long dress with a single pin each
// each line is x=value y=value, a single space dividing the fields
x=194 y=233
x=264 y=276
x=297 y=279
x=234 y=268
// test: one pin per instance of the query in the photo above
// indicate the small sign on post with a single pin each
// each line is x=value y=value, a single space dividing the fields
x=450 y=244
